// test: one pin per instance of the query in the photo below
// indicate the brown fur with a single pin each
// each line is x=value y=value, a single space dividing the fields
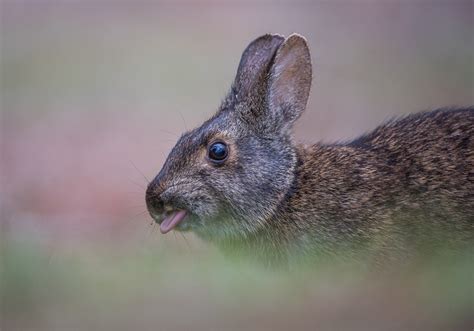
x=406 y=187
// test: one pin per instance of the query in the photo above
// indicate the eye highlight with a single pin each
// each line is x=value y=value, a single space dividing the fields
x=218 y=152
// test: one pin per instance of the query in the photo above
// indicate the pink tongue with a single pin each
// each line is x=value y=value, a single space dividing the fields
x=172 y=220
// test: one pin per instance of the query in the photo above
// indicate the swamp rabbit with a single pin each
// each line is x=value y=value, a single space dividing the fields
x=241 y=182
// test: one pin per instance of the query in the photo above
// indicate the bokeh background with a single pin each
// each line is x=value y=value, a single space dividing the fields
x=94 y=95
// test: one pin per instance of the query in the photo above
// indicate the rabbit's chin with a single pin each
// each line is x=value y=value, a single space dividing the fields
x=191 y=222
x=222 y=228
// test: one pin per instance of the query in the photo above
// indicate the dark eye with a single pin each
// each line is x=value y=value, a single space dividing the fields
x=218 y=152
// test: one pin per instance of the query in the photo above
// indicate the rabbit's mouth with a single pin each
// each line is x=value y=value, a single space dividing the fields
x=172 y=219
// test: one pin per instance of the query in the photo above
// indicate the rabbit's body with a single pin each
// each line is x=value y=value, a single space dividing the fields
x=240 y=182
x=408 y=183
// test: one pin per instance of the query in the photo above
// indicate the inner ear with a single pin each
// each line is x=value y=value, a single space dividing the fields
x=289 y=81
x=254 y=65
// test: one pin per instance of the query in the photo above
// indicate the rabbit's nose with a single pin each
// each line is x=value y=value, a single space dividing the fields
x=154 y=203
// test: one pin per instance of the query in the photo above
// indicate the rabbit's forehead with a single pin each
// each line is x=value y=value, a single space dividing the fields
x=218 y=127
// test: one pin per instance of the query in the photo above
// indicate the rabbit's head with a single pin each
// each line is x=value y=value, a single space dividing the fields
x=227 y=177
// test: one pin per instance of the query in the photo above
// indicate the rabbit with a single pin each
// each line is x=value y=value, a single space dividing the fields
x=240 y=182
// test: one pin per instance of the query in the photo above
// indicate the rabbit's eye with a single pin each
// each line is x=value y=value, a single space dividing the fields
x=218 y=152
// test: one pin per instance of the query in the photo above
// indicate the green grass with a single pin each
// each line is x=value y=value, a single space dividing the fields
x=146 y=284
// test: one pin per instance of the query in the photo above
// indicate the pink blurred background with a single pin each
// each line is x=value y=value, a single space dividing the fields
x=94 y=95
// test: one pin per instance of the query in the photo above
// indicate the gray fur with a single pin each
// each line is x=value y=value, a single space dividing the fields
x=409 y=183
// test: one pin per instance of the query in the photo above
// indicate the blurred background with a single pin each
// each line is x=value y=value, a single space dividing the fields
x=94 y=95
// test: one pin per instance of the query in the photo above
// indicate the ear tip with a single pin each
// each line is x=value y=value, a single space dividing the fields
x=266 y=41
x=296 y=38
x=271 y=36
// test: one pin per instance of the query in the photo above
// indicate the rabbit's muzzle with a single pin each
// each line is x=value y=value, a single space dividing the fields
x=154 y=204
x=164 y=214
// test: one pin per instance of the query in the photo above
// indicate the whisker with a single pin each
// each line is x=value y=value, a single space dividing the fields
x=187 y=243
x=165 y=141
x=169 y=132
x=182 y=117
x=132 y=218
x=154 y=229
x=139 y=185
x=149 y=233
x=146 y=179
x=141 y=213
x=143 y=206
x=135 y=192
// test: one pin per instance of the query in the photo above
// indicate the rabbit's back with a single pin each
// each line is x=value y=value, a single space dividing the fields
x=410 y=179
x=430 y=153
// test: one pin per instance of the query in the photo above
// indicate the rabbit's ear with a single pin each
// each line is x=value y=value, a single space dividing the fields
x=254 y=65
x=289 y=81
